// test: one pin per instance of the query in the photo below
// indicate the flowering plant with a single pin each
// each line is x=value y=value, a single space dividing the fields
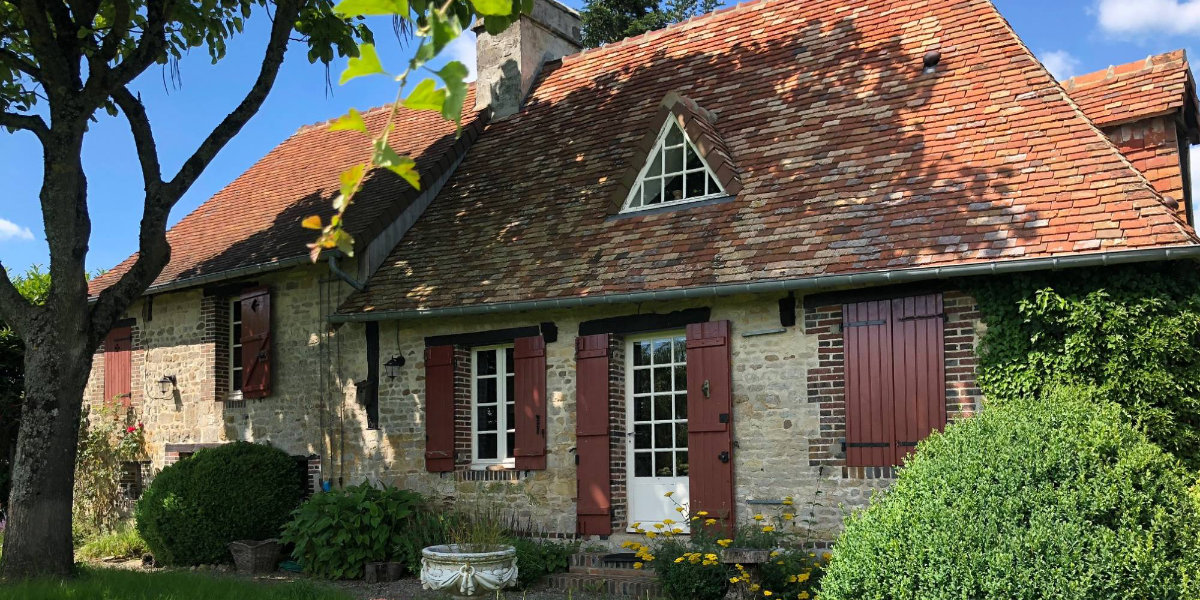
x=109 y=439
x=690 y=566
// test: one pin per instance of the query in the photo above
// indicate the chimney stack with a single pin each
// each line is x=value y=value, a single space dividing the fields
x=507 y=63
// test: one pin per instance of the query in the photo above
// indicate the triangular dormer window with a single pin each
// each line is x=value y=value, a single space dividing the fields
x=675 y=173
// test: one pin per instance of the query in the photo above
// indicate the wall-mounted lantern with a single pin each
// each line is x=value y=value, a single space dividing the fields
x=166 y=384
x=392 y=367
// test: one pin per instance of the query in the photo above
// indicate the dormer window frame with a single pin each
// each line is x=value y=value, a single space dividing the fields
x=659 y=152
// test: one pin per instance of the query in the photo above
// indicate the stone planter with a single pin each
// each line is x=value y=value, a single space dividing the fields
x=468 y=574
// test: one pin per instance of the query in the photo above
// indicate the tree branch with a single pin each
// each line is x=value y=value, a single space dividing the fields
x=31 y=123
x=143 y=138
x=285 y=18
x=20 y=63
x=15 y=309
x=153 y=43
x=153 y=250
x=44 y=45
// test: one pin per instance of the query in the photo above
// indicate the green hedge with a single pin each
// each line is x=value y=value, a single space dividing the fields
x=1054 y=498
x=1132 y=332
x=195 y=507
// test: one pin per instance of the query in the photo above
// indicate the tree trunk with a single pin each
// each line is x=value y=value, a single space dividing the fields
x=37 y=540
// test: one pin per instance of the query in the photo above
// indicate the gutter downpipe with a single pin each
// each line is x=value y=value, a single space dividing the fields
x=802 y=284
x=344 y=276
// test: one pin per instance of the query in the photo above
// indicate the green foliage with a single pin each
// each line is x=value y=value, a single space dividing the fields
x=122 y=542
x=337 y=533
x=537 y=558
x=425 y=527
x=1132 y=332
x=119 y=584
x=108 y=440
x=688 y=568
x=478 y=527
x=1056 y=497
x=606 y=21
x=194 y=508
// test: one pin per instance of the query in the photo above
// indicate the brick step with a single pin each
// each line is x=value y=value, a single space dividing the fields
x=608 y=571
x=604 y=560
x=637 y=585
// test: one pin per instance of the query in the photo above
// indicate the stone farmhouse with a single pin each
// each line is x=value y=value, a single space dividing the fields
x=724 y=259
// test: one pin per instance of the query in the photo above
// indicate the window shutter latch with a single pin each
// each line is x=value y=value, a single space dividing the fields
x=723 y=456
x=705 y=388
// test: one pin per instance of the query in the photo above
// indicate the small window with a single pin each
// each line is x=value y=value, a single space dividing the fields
x=674 y=174
x=235 y=347
x=493 y=412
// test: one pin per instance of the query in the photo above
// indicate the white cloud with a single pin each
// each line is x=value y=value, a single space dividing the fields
x=461 y=49
x=1061 y=64
x=1142 y=17
x=12 y=231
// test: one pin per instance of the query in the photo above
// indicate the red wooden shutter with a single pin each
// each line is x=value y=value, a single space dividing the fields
x=529 y=383
x=919 y=377
x=439 y=409
x=870 y=434
x=118 y=372
x=593 y=513
x=710 y=420
x=256 y=343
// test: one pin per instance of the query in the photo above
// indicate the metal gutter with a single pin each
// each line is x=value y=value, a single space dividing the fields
x=801 y=284
x=229 y=274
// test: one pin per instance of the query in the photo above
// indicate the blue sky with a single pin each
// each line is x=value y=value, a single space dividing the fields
x=1070 y=36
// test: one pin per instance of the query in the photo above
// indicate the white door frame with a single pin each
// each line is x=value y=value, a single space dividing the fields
x=646 y=498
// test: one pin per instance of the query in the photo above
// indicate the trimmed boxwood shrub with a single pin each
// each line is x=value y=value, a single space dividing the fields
x=195 y=507
x=1040 y=498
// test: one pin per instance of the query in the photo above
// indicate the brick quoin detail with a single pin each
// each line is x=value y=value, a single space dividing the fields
x=214 y=312
x=462 y=408
x=616 y=432
x=827 y=385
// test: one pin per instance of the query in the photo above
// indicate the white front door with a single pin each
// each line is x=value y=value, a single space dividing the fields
x=657 y=439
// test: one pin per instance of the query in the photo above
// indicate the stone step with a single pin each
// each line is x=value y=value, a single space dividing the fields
x=604 y=560
x=628 y=585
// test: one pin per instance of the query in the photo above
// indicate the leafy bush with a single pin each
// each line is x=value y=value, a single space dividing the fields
x=195 y=507
x=108 y=440
x=537 y=558
x=1133 y=332
x=337 y=533
x=123 y=542
x=1053 y=497
x=425 y=527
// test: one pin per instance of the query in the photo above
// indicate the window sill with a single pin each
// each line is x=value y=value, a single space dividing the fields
x=505 y=466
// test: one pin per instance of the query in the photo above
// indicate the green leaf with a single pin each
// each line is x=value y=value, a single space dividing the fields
x=442 y=30
x=351 y=121
x=366 y=63
x=426 y=97
x=359 y=8
x=401 y=165
x=456 y=89
x=493 y=7
x=350 y=178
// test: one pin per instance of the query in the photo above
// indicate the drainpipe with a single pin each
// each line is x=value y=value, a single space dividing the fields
x=344 y=276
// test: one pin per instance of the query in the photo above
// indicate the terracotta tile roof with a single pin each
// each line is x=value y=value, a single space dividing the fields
x=256 y=218
x=851 y=159
x=1158 y=85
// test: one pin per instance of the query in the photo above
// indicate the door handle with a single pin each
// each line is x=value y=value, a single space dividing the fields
x=723 y=456
x=705 y=388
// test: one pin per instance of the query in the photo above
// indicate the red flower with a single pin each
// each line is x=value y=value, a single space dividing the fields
x=130 y=429
x=140 y=426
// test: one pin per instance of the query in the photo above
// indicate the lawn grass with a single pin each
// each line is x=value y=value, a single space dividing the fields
x=115 y=584
x=122 y=543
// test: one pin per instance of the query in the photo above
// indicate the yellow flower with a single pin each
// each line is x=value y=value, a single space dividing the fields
x=637 y=565
x=758 y=517
x=826 y=556
x=802 y=596
x=709 y=521
x=724 y=543
x=668 y=522
x=679 y=509
x=788 y=501
x=754 y=587
x=791 y=579
x=676 y=530
x=668 y=494
x=651 y=534
x=627 y=545
x=788 y=516
x=695 y=518
x=710 y=556
x=637 y=525
x=659 y=525
x=734 y=580
x=774 y=553
x=801 y=578
x=766 y=592
x=768 y=529
x=680 y=559
x=703 y=513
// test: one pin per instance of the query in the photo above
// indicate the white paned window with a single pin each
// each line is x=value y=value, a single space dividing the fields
x=235 y=347
x=674 y=174
x=493 y=413
x=658 y=413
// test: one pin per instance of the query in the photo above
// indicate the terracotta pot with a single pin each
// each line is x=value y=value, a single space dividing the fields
x=468 y=574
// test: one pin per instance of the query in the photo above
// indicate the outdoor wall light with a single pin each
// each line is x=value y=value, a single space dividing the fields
x=166 y=384
x=392 y=366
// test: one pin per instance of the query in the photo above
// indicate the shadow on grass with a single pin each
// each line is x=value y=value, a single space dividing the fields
x=115 y=584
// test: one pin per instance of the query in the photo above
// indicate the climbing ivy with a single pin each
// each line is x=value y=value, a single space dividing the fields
x=1131 y=331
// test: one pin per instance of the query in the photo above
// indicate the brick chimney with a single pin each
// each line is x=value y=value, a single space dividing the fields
x=508 y=63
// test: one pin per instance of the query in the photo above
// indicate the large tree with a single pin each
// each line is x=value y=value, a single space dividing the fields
x=606 y=21
x=62 y=61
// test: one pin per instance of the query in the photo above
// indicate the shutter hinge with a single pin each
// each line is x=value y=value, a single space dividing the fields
x=916 y=318
x=866 y=445
x=866 y=323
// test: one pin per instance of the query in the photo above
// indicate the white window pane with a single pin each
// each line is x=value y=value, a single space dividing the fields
x=674 y=160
